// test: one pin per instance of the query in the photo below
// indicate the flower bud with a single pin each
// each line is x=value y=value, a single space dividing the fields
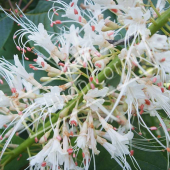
x=101 y=64
x=64 y=113
x=44 y=79
x=51 y=74
x=104 y=29
x=111 y=24
x=44 y=138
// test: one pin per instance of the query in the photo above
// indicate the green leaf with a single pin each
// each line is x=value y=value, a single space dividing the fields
x=9 y=48
x=146 y=160
x=19 y=162
x=6 y=25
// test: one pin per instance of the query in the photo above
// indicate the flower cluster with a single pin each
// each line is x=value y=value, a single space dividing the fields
x=72 y=120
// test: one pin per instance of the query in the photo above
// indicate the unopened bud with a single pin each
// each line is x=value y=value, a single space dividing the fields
x=44 y=138
x=104 y=29
x=64 y=113
x=44 y=79
x=51 y=74
x=125 y=107
x=111 y=24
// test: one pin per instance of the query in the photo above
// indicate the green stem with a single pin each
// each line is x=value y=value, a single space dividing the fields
x=27 y=143
x=159 y=23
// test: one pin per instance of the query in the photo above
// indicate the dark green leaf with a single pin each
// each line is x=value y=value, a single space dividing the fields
x=6 y=25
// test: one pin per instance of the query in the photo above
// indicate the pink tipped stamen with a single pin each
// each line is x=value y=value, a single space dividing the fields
x=162 y=60
x=31 y=66
x=72 y=4
x=35 y=60
x=13 y=90
x=18 y=48
x=1 y=81
x=98 y=65
x=28 y=49
x=133 y=128
x=159 y=84
x=73 y=122
x=5 y=126
x=93 y=28
x=140 y=133
x=84 y=64
x=14 y=37
x=42 y=64
x=36 y=140
x=61 y=64
x=43 y=164
x=97 y=81
x=131 y=152
x=91 y=79
x=154 y=79
x=71 y=133
x=20 y=113
x=147 y=102
x=153 y=128
x=169 y=87
x=23 y=50
x=59 y=137
x=80 y=19
x=110 y=33
x=74 y=155
x=57 y=22
x=163 y=90
x=114 y=10
x=65 y=69
x=70 y=151
x=92 y=86
x=75 y=12
x=26 y=58
x=35 y=68
x=83 y=154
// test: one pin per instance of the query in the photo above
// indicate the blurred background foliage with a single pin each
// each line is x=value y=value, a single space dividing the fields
x=36 y=11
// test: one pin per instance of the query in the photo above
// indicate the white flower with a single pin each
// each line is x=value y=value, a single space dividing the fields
x=128 y=4
x=82 y=138
x=45 y=66
x=39 y=158
x=4 y=100
x=134 y=92
x=119 y=141
x=101 y=64
x=157 y=42
x=91 y=136
x=117 y=152
x=53 y=100
x=41 y=38
x=163 y=61
x=20 y=70
x=4 y=119
x=160 y=5
x=94 y=93
x=73 y=36
x=136 y=20
x=105 y=3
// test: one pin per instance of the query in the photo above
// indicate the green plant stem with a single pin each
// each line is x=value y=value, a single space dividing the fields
x=159 y=23
x=27 y=143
